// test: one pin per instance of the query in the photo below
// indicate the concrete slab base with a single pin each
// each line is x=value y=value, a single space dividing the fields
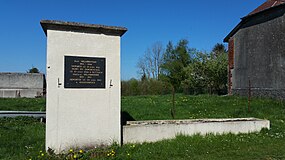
x=152 y=131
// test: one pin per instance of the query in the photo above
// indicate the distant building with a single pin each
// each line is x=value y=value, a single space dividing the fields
x=15 y=85
x=257 y=52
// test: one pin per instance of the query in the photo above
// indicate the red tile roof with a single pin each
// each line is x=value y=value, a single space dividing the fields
x=266 y=5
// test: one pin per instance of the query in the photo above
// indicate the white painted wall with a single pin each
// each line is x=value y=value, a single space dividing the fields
x=82 y=117
x=152 y=131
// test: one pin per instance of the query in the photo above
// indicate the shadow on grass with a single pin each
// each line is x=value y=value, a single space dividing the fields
x=125 y=116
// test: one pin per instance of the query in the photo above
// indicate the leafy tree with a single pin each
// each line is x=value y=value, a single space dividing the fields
x=135 y=87
x=217 y=73
x=33 y=70
x=219 y=48
x=217 y=68
x=207 y=72
x=130 y=87
x=196 y=78
x=174 y=61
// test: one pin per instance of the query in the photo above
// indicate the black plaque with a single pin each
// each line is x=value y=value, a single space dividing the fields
x=84 y=72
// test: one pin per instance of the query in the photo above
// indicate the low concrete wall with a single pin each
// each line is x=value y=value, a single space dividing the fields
x=151 y=131
x=14 y=85
x=13 y=114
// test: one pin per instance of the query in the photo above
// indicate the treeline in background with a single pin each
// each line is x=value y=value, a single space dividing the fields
x=179 y=69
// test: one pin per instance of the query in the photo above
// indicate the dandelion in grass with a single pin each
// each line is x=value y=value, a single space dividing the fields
x=71 y=150
x=81 y=151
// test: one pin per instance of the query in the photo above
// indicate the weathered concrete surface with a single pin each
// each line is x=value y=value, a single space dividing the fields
x=151 y=131
x=14 y=85
x=259 y=55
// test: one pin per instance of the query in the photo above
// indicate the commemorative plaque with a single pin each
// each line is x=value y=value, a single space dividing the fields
x=84 y=72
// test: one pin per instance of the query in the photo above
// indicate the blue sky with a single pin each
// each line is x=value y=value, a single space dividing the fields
x=202 y=23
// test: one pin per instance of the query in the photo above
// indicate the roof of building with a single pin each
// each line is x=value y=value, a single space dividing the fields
x=82 y=27
x=266 y=6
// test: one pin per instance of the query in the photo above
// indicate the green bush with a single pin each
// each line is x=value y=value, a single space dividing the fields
x=135 y=87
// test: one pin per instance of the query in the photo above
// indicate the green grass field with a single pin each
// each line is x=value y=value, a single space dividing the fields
x=20 y=137
x=22 y=104
x=23 y=138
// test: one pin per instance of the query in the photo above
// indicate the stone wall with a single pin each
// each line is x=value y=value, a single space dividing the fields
x=260 y=56
x=15 y=85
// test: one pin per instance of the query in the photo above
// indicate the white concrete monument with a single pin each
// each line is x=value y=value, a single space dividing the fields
x=83 y=84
